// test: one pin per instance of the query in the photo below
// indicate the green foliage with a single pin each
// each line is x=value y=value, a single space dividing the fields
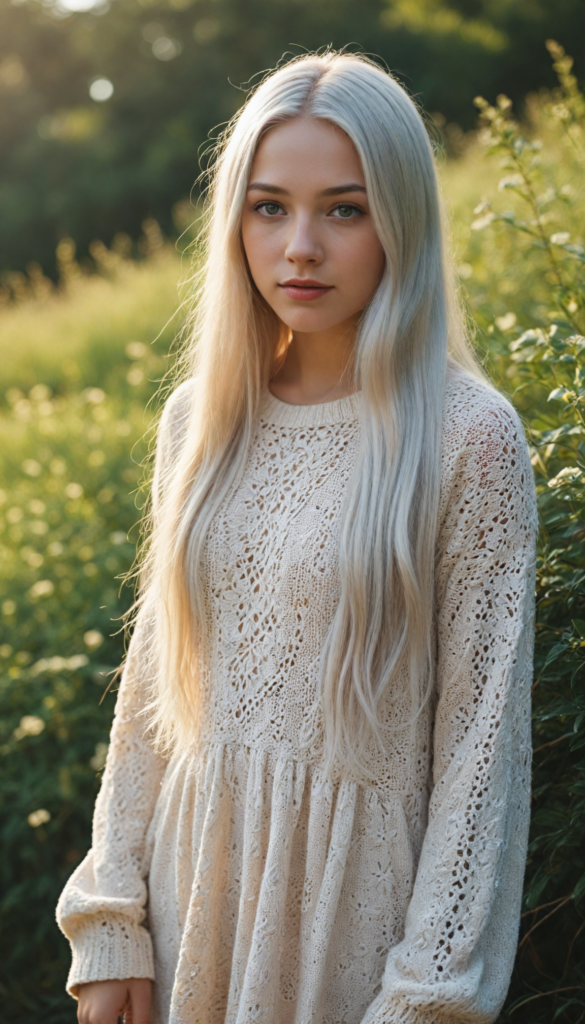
x=537 y=350
x=66 y=515
x=71 y=459
x=79 y=373
x=113 y=330
x=83 y=168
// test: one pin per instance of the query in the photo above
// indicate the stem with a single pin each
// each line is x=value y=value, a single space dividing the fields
x=544 y=746
x=543 y=919
x=553 y=992
x=533 y=204
x=573 y=941
x=544 y=906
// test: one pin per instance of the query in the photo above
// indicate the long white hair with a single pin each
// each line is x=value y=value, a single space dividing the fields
x=382 y=627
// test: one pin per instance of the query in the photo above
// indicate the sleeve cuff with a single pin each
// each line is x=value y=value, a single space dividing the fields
x=385 y=1010
x=109 y=948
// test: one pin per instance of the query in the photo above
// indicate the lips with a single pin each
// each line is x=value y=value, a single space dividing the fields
x=305 y=289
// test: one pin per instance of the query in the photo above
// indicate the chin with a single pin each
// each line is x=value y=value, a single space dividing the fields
x=306 y=321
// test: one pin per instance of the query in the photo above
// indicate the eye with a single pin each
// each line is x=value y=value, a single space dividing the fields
x=268 y=208
x=346 y=211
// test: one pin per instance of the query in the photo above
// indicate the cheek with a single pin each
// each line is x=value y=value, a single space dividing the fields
x=363 y=263
x=259 y=248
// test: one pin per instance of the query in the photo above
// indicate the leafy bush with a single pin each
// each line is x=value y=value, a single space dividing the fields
x=532 y=257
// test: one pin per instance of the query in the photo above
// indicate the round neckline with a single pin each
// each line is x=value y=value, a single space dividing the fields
x=340 y=410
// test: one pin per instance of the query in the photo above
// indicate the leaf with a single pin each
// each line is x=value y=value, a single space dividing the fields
x=579 y=890
x=482 y=222
x=505 y=322
x=513 y=181
x=558 y=393
x=554 y=653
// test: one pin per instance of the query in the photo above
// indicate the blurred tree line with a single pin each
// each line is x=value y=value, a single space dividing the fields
x=104 y=106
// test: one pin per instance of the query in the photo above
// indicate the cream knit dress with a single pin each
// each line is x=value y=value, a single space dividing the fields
x=250 y=888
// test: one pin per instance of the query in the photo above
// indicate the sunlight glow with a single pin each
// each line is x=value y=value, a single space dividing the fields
x=101 y=89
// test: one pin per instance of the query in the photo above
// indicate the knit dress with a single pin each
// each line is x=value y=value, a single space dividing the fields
x=253 y=889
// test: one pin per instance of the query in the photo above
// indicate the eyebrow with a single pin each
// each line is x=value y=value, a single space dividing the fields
x=275 y=190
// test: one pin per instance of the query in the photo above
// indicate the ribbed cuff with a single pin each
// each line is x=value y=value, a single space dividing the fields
x=109 y=948
x=385 y=1010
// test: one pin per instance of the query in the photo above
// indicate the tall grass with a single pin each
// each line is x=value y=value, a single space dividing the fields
x=89 y=332
x=81 y=363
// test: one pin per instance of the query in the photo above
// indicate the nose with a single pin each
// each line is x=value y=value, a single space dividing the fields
x=303 y=245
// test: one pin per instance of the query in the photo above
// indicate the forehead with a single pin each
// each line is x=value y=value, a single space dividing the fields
x=307 y=151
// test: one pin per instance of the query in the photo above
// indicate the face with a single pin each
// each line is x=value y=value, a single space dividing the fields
x=307 y=228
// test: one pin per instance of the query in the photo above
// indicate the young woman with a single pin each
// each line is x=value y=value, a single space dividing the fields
x=315 y=805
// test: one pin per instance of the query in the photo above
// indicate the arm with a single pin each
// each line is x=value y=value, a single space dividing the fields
x=454 y=963
x=103 y=906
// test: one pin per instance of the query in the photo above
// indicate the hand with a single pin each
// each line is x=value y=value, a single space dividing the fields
x=103 y=1002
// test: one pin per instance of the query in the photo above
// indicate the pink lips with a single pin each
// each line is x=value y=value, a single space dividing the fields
x=304 y=288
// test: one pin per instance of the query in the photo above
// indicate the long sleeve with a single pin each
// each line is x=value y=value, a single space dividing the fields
x=455 y=961
x=103 y=906
x=102 y=909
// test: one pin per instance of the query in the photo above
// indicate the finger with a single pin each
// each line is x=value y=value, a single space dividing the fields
x=102 y=1002
x=140 y=993
x=99 y=1014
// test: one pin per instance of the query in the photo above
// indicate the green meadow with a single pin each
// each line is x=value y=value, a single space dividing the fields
x=82 y=364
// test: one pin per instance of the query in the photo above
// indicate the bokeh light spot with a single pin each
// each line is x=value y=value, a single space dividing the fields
x=40 y=817
x=101 y=89
x=165 y=48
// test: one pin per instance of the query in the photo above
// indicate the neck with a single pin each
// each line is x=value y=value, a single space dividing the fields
x=317 y=367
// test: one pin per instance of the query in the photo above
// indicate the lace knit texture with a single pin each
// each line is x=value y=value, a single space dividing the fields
x=248 y=886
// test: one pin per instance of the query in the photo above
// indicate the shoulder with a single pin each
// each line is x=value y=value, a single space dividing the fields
x=485 y=456
x=178 y=406
x=471 y=405
x=170 y=436
x=175 y=417
x=478 y=421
